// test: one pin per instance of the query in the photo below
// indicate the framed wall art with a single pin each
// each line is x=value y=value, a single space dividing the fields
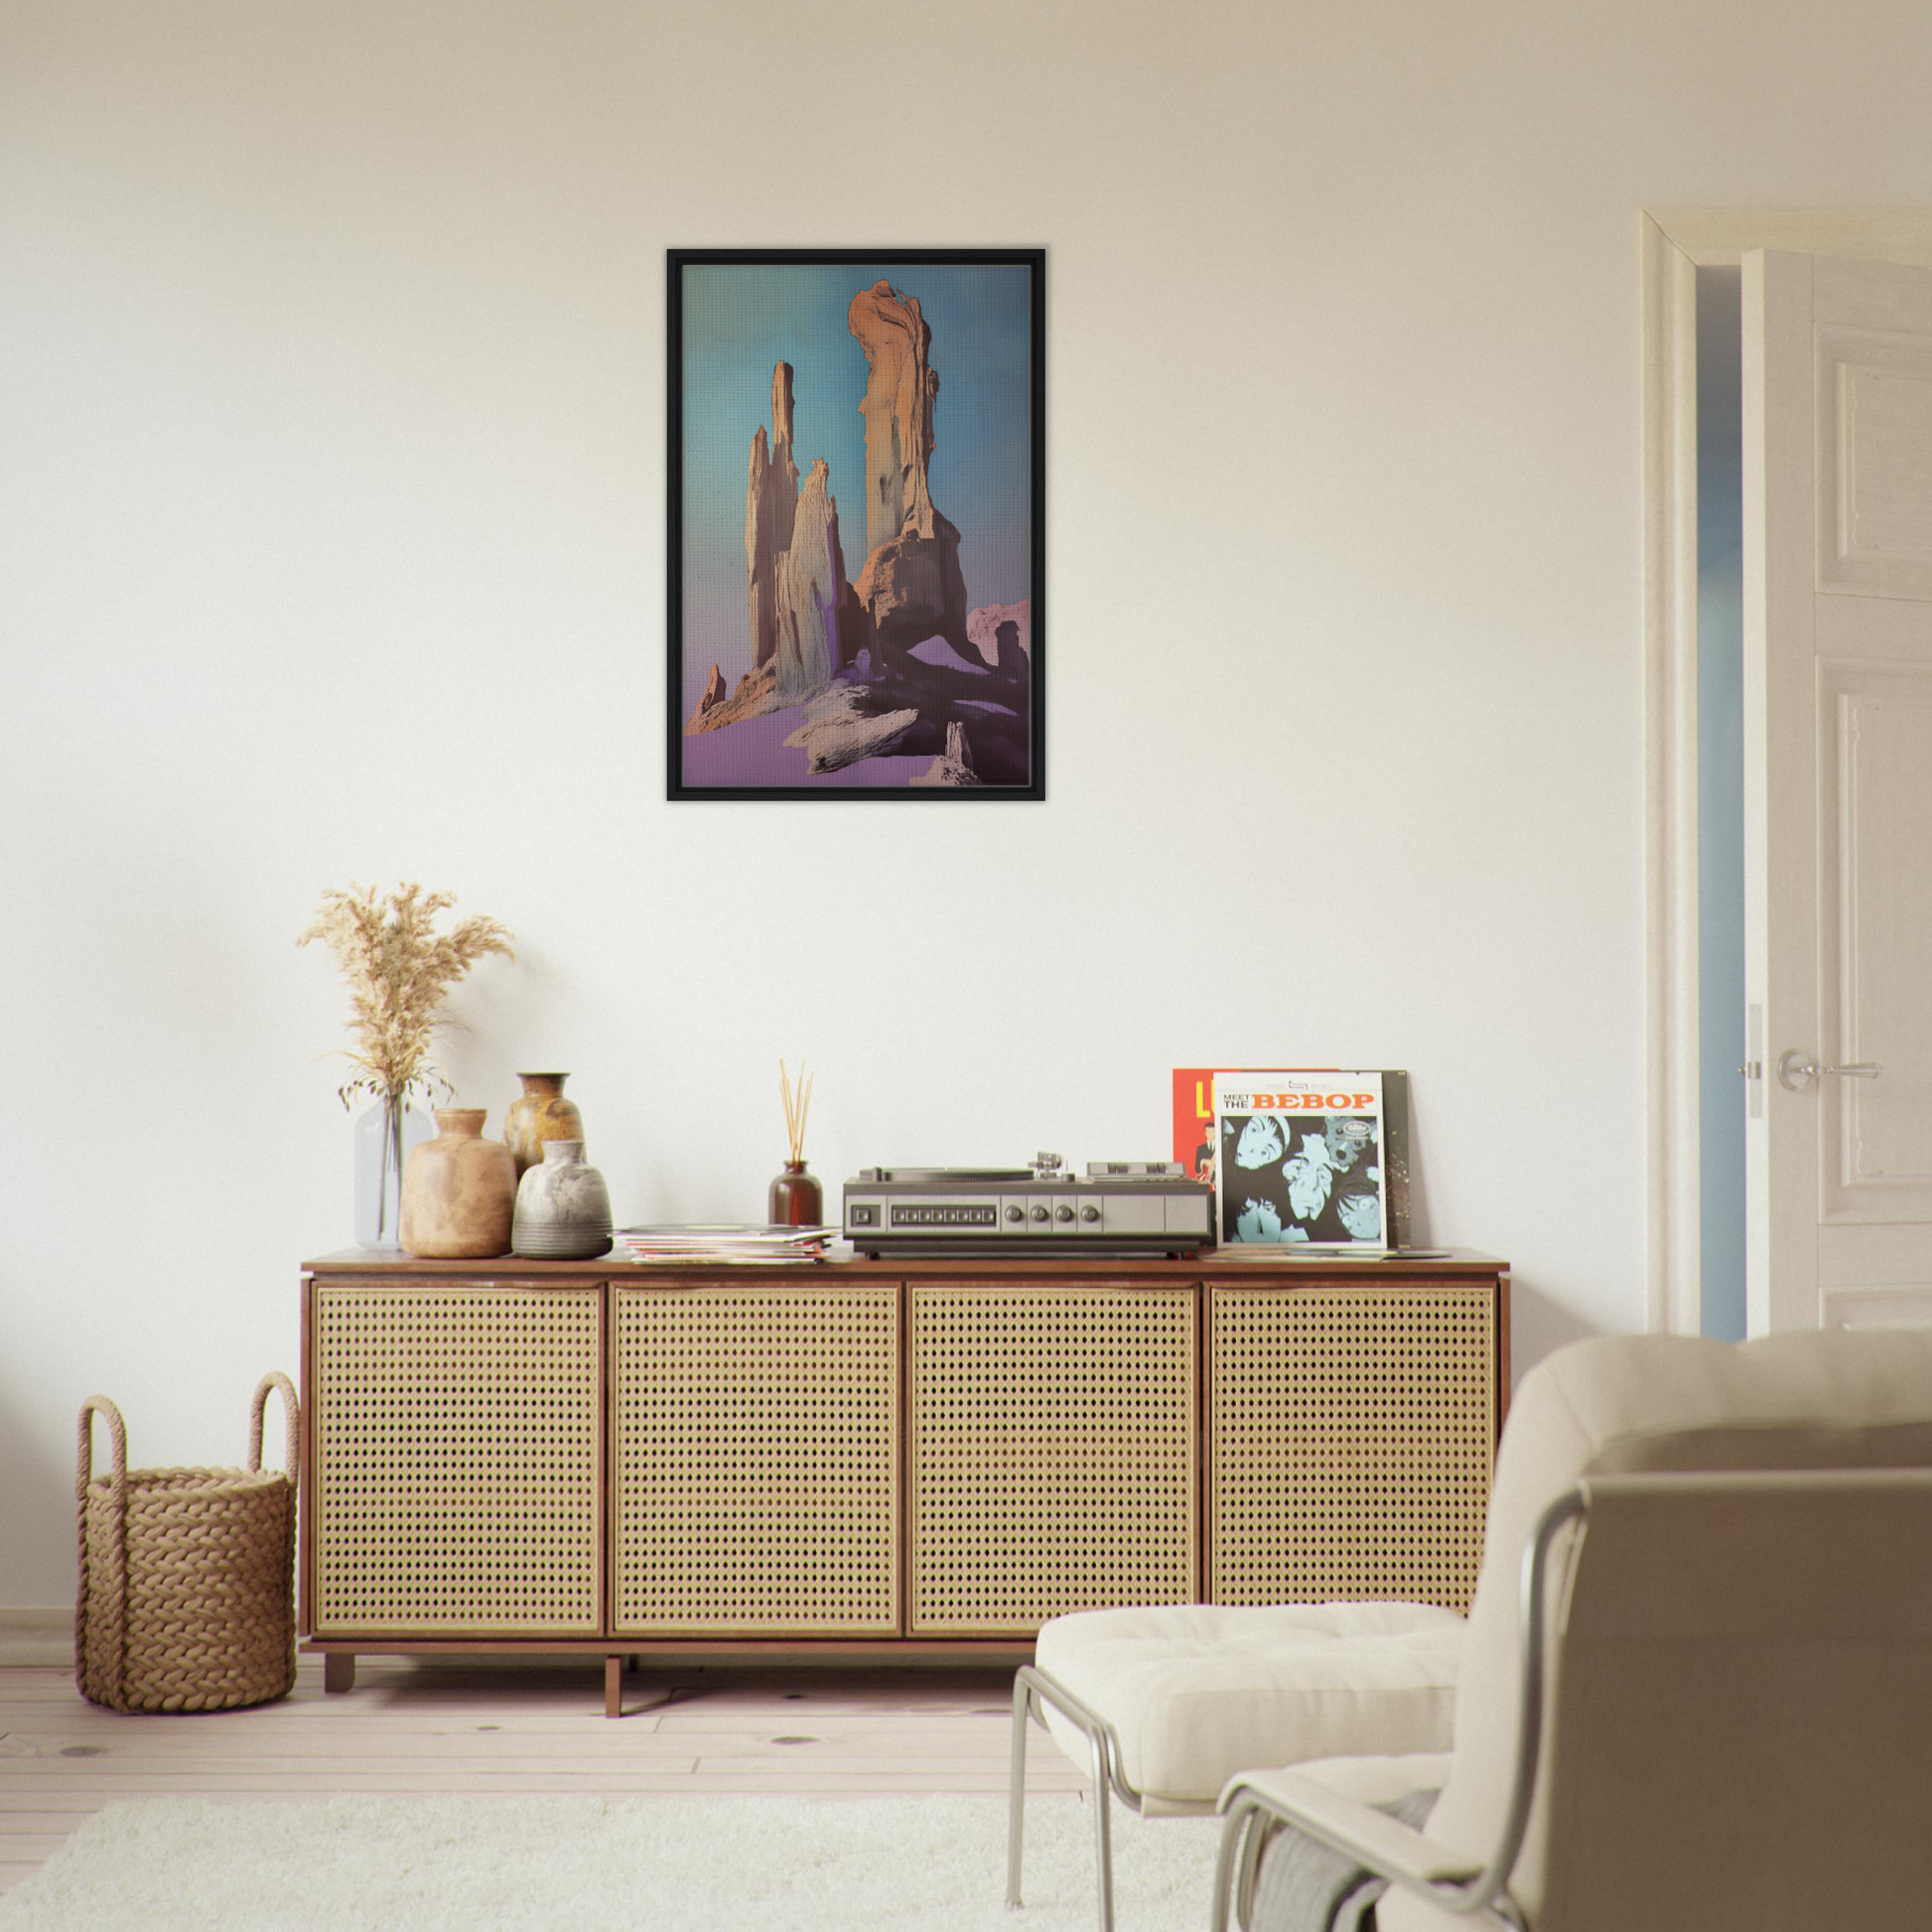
x=857 y=523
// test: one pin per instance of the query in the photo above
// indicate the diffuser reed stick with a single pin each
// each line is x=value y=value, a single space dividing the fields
x=798 y=1104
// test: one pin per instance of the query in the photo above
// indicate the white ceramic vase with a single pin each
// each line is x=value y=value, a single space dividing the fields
x=563 y=1208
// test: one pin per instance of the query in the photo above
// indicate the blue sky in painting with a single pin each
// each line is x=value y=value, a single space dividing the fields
x=741 y=319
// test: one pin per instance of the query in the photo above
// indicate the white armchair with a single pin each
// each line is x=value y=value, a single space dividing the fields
x=1697 y=1684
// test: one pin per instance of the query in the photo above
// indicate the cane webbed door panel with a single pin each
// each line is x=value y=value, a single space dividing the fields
x=457 y=1459
x=756 y=1453
x=1053 y=1464
x=1352 y=1435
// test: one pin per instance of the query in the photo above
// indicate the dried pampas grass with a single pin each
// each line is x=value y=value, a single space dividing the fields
x=398 y=969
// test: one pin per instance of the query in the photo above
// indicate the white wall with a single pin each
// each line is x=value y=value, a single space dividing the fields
x=331 y=449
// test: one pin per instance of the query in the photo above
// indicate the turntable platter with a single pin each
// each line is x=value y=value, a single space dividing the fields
x=938 y=1176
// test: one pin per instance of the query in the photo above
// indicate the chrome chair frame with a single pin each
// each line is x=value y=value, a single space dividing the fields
x=1032 y=1689
x=1253 y=1816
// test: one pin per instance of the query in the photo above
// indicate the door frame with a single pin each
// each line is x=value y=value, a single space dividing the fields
x=1675 y=242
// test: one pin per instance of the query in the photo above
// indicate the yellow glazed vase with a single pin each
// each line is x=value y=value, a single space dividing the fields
x=458 y=1190
x=540 y=1113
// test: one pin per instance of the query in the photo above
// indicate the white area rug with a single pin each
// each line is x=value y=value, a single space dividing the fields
x=763 y=1863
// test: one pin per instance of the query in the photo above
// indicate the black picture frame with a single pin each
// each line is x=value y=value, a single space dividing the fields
x=976 y=684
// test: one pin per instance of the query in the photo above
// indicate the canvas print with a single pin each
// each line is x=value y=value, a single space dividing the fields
x=856 y=541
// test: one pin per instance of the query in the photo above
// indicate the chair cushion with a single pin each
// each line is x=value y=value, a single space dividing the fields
x=1379 y=1780
x=1199 y=1692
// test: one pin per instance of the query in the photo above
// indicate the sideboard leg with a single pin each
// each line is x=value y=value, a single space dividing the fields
x=613 y=1687
x=338 y=1670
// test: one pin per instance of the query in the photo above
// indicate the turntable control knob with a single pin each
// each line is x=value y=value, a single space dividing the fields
x=1016 y=1212
x=1040 y=1215
x=1090 y=1213
x=1064 y=1213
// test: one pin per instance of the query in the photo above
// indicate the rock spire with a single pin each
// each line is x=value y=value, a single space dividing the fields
x=770 y=508
x=814 y=604
x=911 y=587
x=900 y=389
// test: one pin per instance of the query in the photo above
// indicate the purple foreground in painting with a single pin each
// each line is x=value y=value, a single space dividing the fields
x=754 y=752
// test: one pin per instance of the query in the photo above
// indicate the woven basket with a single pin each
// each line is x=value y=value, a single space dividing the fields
x=187 y=1598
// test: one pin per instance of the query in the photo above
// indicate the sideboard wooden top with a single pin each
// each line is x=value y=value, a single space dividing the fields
x=1222 y=1265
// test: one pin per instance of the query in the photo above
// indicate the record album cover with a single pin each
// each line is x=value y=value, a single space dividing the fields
x=1300 y=1156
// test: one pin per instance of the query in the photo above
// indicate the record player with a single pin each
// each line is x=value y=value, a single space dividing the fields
x=1126 y=1207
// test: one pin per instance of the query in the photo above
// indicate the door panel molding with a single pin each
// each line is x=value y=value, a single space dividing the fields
x=1855 y=1307
x=1848 y=626
x=1874 y=432
x=1875 y=728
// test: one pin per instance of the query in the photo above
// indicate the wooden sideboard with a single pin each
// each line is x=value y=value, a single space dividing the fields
x=878 y=1459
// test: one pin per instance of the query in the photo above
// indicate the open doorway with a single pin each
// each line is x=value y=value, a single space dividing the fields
x=1721 y=801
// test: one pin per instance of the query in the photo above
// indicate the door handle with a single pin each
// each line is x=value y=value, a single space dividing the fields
x=1797 y=1070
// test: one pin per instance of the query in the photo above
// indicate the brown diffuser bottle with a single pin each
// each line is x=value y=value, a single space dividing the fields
x=796 y=1200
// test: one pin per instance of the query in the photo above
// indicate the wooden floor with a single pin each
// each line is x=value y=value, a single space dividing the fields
x=510 y=1727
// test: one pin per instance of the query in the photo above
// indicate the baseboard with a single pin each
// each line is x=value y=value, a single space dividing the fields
x=43 y=1635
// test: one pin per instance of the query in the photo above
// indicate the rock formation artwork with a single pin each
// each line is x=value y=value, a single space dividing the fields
x=818 y=619
x=956 y=767
x=892 y=663
x=910 y=586
x=984 y=629
x=714 y=691
x=770 y=510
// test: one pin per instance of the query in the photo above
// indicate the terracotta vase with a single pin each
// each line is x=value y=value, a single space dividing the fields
x=540 y=1113
x=795 y=1199
x=563 y=1208
x=458 y=1190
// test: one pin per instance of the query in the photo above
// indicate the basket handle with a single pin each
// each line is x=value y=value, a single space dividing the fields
x=291 y=1408
x=117 y=1432
x=112 y=1638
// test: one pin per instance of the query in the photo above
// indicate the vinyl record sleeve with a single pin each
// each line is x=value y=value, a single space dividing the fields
x=1197 y=1147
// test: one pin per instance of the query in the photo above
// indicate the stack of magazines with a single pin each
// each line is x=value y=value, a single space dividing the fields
x=733 y=1241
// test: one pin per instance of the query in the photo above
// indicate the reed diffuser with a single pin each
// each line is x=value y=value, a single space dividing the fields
x=796 y=1200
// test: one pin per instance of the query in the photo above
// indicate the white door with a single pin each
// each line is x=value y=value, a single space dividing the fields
x=1838 y=780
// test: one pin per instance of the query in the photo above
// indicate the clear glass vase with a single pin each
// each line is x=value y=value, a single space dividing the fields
x=384 y=1135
